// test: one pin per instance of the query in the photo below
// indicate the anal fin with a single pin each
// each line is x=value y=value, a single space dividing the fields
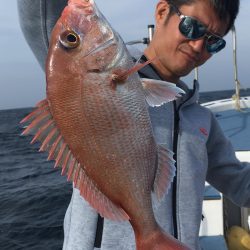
x=97 y=199
x=165 y=172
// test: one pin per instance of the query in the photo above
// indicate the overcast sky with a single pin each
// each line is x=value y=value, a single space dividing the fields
x=22 y=81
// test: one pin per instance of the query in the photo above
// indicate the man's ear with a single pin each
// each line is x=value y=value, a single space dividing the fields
x=161 y=11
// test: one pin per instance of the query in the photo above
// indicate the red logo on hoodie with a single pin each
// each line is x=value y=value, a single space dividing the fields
x=204 y=131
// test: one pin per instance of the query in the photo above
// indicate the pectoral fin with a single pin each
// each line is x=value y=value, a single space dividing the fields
x=158 y=92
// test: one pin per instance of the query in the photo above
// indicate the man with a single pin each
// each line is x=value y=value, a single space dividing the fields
x=187 y=33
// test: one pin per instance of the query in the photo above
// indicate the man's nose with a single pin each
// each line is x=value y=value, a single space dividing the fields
x=198 y=45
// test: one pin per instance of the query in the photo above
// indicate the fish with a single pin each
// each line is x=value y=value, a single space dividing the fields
x=94 y=123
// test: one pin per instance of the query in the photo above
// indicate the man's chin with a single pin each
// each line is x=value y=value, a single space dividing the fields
x=184 y=72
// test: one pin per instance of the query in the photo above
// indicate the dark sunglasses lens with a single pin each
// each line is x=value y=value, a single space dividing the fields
x=215 y=44
x=191 y=28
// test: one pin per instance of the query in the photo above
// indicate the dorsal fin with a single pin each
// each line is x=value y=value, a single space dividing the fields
x=165 y=171
x=44 y=129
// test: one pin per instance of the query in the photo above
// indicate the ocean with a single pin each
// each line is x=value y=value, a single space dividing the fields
x=33 y=196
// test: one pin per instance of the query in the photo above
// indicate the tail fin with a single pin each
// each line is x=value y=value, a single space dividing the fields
x=159 y=240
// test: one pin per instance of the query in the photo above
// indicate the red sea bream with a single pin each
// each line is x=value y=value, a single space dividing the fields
x=95 y=124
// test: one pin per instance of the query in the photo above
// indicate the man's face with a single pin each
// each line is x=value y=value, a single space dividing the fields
x=178 y=55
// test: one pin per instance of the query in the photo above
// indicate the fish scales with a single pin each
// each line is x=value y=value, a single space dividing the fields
x=100 y=106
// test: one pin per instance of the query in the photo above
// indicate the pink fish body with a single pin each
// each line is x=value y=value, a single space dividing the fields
x=94 y=123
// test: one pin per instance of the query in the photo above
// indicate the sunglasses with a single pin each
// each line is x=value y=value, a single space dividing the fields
x=193 y=29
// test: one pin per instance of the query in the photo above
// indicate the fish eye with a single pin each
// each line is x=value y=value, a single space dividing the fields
x=69 y=39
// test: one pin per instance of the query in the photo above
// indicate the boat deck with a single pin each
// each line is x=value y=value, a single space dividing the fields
x=213 y=242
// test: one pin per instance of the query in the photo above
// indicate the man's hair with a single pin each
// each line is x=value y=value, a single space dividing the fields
x=224 y=8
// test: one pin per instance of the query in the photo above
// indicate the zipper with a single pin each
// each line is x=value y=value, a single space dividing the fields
x=175 y=143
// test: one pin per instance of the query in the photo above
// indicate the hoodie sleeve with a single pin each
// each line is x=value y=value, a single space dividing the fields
x=80 y=224
x=37 y=19
x=225 y=171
